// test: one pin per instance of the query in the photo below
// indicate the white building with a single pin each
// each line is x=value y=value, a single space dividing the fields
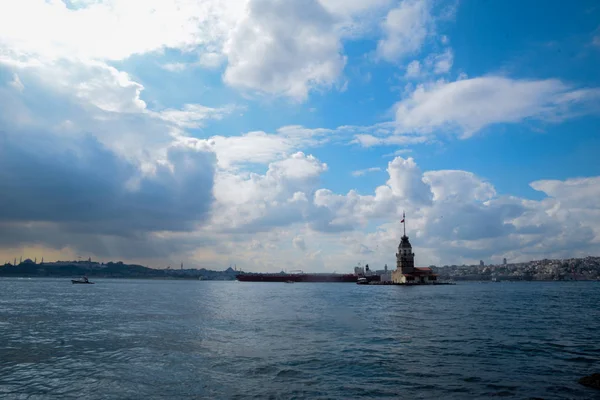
x=385 y=276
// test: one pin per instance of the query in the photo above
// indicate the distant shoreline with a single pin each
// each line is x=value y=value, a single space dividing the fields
x=91 y=277
x=558 y=270
x=189 y=279
x=112 y=270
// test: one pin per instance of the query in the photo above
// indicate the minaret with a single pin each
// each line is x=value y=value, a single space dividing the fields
x=405 y=258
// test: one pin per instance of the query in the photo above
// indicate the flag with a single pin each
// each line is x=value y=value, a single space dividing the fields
x=402 y=221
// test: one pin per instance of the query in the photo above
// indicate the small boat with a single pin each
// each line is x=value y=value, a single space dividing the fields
x=81 y=281
x=289 y=281
x=362 y=281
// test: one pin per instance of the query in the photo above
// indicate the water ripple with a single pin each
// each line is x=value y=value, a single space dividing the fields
x=165 y=339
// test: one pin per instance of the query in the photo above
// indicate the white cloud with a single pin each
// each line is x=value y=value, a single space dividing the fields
x=398 y=152
x=193 y=115
x=405 y=30
x=433 y=64
x=298 y=166
x=260 y=147
x=368 y=140
x=443 y=62
x=174 y=67
x=353 y=7
x=469 y=105
x=577 y=193
x=252 y=147
x=108 y=89
x=115 y=29
x=405 y=189
x=254 y=202
x=357 y=18
x=211 y=59
x=406 y=181
x=284 y=48
x=299 y=243
x=465 y=187
x=16 y=83
x=208 y=60
x=93 y=83
x=362 y=172
x=413 y=70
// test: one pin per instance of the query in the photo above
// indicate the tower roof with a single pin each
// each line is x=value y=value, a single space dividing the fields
x=404 y=243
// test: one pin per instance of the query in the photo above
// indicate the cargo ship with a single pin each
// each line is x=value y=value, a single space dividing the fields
x=304 y=277
x=283 y=277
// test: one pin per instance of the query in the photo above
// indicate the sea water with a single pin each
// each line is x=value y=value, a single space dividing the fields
x=146 y=339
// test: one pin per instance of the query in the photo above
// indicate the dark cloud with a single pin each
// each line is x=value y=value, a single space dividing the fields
x=135 y=245
x=84 y=187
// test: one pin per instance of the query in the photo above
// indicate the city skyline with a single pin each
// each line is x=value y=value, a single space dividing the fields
x=294 y=134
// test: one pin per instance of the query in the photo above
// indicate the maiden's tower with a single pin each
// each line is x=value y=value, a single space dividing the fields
x=406 y=272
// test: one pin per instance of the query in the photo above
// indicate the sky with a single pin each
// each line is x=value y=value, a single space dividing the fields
x=283 y=135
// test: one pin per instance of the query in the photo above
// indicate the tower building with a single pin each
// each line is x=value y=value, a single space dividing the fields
x=406 y=272
x=405 y=258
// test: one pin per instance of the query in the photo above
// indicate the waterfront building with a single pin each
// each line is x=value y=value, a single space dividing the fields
x=385 y=276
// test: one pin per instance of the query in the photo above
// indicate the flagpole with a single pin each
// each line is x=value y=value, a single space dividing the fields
x=404 y=222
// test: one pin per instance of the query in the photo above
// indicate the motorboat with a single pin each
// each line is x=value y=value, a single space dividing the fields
x=83 y=281
x=362 y=281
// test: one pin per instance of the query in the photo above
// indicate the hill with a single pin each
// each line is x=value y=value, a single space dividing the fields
x=587 y=268
x=118 y=269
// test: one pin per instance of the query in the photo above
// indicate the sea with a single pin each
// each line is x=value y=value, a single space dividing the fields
x=169 y=339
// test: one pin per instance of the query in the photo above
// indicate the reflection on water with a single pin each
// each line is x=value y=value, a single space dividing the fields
x=184 y=339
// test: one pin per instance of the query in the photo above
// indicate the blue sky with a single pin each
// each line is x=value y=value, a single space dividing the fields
x=268 y=133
